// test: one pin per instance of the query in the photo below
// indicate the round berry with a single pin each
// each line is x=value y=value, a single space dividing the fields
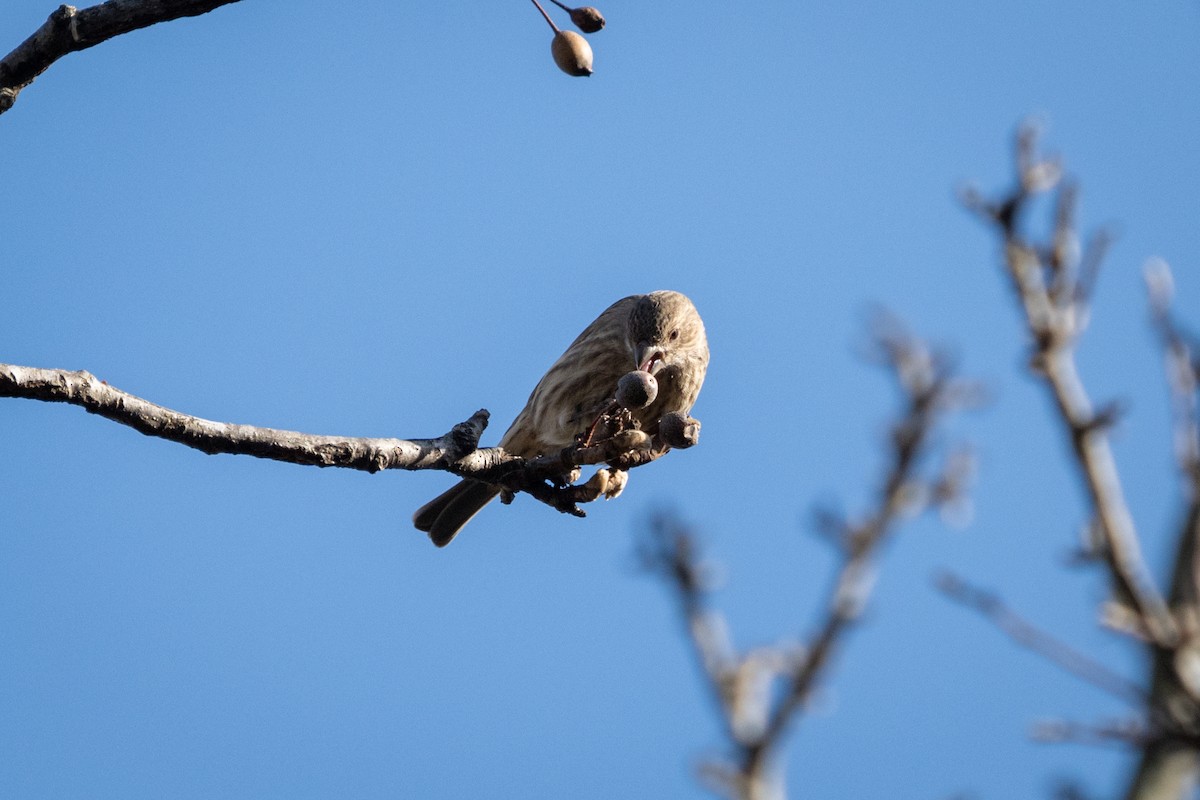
x=636 y=390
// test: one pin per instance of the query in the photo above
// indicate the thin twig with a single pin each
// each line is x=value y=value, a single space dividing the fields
x=546 y=17
x=1180 y=355
x=756 y=718
x=1121 y=732
x=926 y=385
x=1027 y=635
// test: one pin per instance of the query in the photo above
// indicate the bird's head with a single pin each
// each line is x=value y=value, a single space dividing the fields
x=664 y=329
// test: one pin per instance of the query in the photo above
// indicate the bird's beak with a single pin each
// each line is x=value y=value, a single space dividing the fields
x=647 y=356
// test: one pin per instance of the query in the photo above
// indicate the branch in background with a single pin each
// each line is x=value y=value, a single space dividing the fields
x=760 y=694
x=542 y=478
x=1170 y=762
x=1053 y=281
x=69 y=30
x=1182 y=362
x=1119 y=732
x=1027 y=635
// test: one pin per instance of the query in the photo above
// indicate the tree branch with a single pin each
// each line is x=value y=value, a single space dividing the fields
x=69 y=29
x=1182 y=362
x=1029 y=636
x=371 y=455
x=928 y=392
x=1053 y=281
x=544 y=477
x=1169 y=764
x=1052 y=284
x=761 y=693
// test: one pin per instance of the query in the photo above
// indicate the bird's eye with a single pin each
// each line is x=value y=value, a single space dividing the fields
x=674 y=335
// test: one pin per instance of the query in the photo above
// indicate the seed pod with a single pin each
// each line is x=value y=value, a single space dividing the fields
x=572 y=53
x=587 y=19
x=679 y=430
x=636 y=390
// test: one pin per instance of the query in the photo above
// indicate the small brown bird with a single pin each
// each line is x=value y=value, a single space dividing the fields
x=660 y=333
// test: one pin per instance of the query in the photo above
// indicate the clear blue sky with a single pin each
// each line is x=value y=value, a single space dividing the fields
x=372 y=219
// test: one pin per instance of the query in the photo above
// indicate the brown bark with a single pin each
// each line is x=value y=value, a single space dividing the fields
x=69 y=30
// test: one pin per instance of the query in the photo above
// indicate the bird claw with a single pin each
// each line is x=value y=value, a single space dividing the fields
x=617 y=479
x=569 y=478
x=603 y=483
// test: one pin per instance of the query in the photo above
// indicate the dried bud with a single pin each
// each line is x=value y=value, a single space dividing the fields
x=572 y=53
x=587 y=19
x=636 y=390
x=679 y=430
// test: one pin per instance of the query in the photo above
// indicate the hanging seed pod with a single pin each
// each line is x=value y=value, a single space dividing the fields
x=572 y=53
x=586 y=18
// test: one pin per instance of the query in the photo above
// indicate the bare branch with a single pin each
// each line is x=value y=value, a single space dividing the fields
x=1169 y=764
x=542 y=478
x=761 y=693
x=69 y=29
x=1182 y=362
x=924 y=379
x=1052 y=287
x=87 y=391
x=1166 y=771
x=1120 y=732
x=1027 y=635
x=1053 y=283
x=672 y=551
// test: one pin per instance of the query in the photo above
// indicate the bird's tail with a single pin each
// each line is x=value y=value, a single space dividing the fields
x=443 y=516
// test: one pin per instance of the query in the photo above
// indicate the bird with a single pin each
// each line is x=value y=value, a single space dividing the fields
x=660 y=333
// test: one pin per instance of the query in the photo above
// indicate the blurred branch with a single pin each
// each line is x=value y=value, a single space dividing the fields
x=1182 y=362
x=457 y=451
x=760 y=694
x=69 y=29
x=1027 y=635
x=1069 y=790
x=1122 y=732
x=1053 y=282
x=1168 y=766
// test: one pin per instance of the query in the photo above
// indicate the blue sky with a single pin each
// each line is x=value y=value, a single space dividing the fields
x=374 y=219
